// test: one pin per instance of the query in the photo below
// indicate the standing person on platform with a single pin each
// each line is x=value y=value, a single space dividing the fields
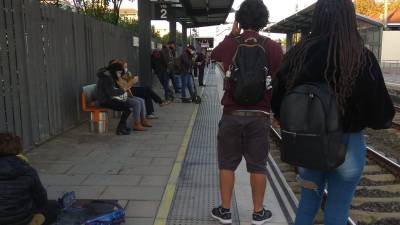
x=334 y=53
x=172 y=73
x=186 y=66
x=201 y=64
x=244 y=127
x=160 y=66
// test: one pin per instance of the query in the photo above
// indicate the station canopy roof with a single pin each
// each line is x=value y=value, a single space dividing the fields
x=201 y=13
x=302 y=21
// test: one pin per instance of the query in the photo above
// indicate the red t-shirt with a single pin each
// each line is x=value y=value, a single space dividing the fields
x=224 y=53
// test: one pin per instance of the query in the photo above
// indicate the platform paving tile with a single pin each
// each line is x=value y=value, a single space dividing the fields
x=159 y=154
x=82 y=192
x=146 y=209
x=113 y=180
x=162 y=161
x=99 y=168
x=144 y=161
x=52 y=168
x=133 y=193
x=133 y=169
x=139 y=221
x=55 y=179
x=146 y=170
x=154 y=181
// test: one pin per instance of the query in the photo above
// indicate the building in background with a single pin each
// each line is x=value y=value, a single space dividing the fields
x=129 y=13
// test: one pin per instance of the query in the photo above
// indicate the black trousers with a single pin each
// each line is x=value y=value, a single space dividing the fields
x=149 y=96
x=171 y=76
x=195 y=71
x=201 y=75
x=117 y=105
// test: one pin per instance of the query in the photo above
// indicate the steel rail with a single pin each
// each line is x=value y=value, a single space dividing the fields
x=372 y=154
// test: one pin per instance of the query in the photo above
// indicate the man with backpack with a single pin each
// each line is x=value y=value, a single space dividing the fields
x=249 y=60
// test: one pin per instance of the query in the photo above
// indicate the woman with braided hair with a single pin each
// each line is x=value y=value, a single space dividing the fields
x=334 y=52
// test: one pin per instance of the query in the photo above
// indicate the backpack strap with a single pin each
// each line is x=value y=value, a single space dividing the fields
x=261 y=40
x=239 y=40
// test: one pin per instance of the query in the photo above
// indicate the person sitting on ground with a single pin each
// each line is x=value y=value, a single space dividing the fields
x=186 y=66
x=23 y=199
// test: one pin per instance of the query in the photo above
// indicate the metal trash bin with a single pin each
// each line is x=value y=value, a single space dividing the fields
x=98 y=125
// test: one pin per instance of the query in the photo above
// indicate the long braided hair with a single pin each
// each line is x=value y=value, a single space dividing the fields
x=335 y=21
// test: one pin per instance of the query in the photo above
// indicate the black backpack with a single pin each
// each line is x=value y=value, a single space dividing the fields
x=249 y=71
x=311 y=128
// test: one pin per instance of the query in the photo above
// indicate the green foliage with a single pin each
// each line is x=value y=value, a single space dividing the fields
x=102 y=12
x=166 y=38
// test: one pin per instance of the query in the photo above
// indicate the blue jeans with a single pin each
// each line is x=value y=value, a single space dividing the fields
x=178 y=83
x=138 y=107
x=187 y=81
x=164 y=80
x=341 y=184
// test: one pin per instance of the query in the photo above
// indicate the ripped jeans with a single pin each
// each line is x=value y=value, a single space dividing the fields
x=341 y=184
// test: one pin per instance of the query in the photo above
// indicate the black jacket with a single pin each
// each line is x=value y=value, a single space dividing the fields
x=370 y=104
x=21 y=191
x=186 y=62
x=107 y=87
x=201 y=58
x=158 y=61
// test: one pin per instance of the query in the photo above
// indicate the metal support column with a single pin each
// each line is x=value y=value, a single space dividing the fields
x=184 y=35
x=172 y=30
x=289 y=41
x=144 y=42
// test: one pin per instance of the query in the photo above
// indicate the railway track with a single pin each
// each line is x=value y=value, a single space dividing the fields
x=396 y=121
x=377 y=198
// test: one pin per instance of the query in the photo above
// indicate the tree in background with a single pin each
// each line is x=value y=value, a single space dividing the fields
x=103 y=10
x=394 y=5
x=368 y=7
x=166 y=38
x=374 y=8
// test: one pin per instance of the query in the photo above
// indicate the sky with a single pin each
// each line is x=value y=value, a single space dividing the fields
x=279 y=9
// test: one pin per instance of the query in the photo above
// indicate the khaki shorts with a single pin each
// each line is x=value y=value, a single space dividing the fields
x=246 y=137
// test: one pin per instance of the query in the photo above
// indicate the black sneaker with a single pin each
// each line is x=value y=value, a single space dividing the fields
x=123 y=131
x=260 y=218
x=224 y=216
x=186 y=100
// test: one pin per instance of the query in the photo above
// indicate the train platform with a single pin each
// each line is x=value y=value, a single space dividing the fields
x=165 y=176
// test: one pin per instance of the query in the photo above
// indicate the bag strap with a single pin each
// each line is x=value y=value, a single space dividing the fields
x=239 y=40
x=261 y=40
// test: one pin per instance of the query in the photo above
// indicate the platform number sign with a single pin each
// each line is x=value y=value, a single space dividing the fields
x=163 y=12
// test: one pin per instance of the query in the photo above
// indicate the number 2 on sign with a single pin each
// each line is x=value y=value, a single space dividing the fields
x=163 y=14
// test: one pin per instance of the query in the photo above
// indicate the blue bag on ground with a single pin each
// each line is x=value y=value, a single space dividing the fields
x=89 y=212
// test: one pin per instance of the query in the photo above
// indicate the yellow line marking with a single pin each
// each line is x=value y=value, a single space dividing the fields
x=166 y=202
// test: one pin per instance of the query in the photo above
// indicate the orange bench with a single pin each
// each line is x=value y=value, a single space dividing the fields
x=98 y=115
